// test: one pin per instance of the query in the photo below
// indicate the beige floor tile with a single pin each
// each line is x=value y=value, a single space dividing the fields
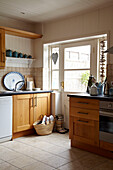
x=38 y=166
x=65 y=144
x=15 y=145
x=72 y=166
x=55 y=149
x=37 y=154
x=22 y=161
x=55 y=161
x=1 y=161
x=105 y=166
x=42 y=144
x=7 y=166
x=90 y=161
x=8 y=154
x=27 y=139
x=70 y=155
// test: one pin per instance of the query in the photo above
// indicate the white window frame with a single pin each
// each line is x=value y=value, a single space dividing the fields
x=94 y=60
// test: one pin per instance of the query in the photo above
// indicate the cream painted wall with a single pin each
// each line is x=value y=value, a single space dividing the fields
x=13 y=23
x=95 y=22
x=79 y=26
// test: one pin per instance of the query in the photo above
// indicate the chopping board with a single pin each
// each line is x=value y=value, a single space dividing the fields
x=29 y=78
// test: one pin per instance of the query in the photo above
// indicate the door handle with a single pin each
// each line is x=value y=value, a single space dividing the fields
x=83 y=121
x=32 y=102
x=82 y=113
x=3 y=56
x=62 y=84
x=35 y=101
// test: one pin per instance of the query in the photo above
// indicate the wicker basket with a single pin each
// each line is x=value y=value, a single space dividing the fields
x=43 y=129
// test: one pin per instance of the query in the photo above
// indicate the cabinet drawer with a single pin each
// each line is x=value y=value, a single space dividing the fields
x=86 y=131
x=84 y=113
x=84 y=103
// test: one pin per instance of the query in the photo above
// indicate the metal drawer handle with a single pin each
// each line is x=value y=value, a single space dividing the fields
x=82 y=113
x=82 y=103
x=82 y=121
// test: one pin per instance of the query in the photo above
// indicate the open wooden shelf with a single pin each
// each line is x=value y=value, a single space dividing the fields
x=20 y=33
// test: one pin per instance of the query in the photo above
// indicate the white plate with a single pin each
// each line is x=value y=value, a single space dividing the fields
x=11 y=79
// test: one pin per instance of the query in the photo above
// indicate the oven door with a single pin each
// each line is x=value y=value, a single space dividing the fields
x=106 y=126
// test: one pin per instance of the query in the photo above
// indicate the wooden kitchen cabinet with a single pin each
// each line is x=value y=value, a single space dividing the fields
x=27 y=109
x=84 y=121
x=22 y=112
x=41 y=105
x=85 y=131
x=2 y=48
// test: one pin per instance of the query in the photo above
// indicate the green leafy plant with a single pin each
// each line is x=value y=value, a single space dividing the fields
x=85 y=77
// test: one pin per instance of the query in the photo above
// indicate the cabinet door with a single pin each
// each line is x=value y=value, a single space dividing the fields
x=2 y=48
x=22 y=112
x=85 y=131
x=41 y=105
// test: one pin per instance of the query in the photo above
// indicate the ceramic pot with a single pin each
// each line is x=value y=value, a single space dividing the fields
x=15 y=54
x=25 y=56
x=29 y=56
x=20 y=55
x=9 y=53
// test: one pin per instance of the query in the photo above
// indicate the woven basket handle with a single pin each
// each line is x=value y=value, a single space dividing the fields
x=41 y=116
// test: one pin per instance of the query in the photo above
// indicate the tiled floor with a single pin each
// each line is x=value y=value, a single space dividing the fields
x=48 y=153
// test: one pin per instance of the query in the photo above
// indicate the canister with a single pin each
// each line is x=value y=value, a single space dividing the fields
x=29 y=85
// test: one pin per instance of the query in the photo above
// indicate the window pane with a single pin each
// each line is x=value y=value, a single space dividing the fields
x=55 y=79
x=55 y=58
x=77 y=57
x=76 y=81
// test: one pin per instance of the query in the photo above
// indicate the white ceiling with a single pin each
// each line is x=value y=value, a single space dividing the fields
x=46 y=10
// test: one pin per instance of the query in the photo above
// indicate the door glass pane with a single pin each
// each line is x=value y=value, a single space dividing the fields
x=55 y=79
x=77 y=57
x=76 y=81
x=55 y=58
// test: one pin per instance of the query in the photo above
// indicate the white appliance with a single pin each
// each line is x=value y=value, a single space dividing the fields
x=5 y=118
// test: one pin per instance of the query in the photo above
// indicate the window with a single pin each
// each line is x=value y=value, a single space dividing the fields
x=75 y=61
x=76 y=66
